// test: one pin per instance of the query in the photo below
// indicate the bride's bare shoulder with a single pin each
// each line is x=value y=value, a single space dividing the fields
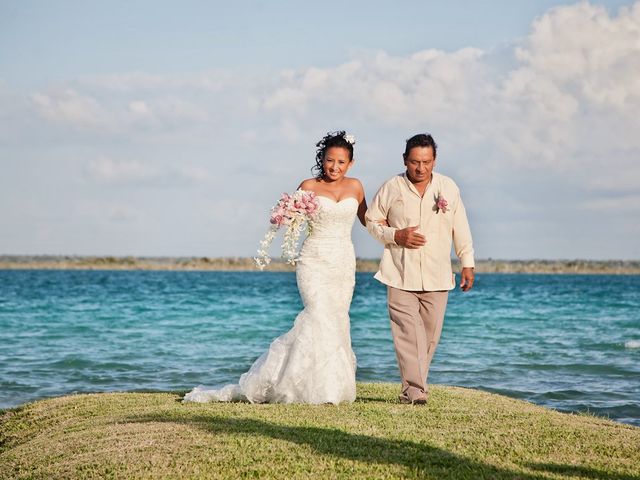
x=309 y=184
x=354 y=183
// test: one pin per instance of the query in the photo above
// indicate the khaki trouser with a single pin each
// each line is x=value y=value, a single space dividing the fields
x=416 y=325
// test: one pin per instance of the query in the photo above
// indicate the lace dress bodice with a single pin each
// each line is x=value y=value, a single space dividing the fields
x=335 y=219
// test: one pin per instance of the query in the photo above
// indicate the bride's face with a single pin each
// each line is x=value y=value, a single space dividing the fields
x=336 y=163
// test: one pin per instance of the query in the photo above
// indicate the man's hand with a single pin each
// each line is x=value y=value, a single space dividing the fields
x=409 y=238
x=466 y=279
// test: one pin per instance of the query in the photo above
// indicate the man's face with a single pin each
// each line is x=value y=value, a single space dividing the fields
x=420 y=162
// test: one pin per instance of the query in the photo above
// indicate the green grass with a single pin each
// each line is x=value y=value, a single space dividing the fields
x=460 y=434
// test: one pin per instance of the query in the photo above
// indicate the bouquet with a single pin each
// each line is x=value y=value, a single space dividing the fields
x=293 y=212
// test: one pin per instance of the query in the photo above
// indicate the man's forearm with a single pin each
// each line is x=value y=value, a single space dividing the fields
x=382 y=233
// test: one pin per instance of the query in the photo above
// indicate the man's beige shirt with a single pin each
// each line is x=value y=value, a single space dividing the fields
x=427 y=268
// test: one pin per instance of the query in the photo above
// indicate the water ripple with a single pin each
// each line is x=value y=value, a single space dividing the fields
x=569 y=342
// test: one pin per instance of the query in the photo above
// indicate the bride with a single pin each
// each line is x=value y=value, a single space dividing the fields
x=313 y=362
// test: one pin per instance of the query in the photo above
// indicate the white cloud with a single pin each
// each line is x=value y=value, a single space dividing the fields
x=396 y=90
x=103 y=114
x=580 y=66
x=286 y=97
x=583 y=49
x=134 y=172
x=139 y=107
x=69 y=106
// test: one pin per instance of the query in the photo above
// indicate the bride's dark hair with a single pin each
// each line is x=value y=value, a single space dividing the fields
x=331 y=139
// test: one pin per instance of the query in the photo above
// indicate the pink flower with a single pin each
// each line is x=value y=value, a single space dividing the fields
x=276 y=219
x=292 y=206
x=441 y=204
x=311 y=204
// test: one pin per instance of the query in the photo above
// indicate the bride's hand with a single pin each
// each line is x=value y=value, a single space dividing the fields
x=384 y=223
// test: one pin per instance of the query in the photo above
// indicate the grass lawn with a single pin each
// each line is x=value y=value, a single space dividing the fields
x=460 y=434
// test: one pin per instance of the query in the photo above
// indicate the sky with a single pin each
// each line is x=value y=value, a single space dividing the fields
x=164 y=128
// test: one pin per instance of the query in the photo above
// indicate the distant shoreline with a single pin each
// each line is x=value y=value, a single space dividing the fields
x=74 y=262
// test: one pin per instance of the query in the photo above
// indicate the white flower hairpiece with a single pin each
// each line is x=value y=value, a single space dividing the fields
x=350 y=138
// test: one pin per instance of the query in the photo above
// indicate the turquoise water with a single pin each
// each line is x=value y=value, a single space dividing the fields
x=566 y=342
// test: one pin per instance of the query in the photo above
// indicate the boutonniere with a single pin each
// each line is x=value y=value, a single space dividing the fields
x=441 y=204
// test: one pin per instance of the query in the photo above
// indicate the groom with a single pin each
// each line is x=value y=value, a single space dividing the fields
x=417 y=216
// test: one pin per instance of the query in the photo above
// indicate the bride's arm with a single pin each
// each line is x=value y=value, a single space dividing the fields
x=362 y=203
x=362 y=209
x=306 y=185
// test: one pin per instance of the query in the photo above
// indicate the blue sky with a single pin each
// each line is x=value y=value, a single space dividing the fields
x=152 y=128
x=46 y=41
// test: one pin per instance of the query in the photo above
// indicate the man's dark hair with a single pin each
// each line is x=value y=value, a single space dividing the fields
x=420 y=140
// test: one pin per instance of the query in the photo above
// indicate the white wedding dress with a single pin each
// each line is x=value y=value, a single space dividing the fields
x=313 y=362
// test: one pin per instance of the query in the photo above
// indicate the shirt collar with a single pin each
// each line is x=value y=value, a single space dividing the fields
x=412 y=187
